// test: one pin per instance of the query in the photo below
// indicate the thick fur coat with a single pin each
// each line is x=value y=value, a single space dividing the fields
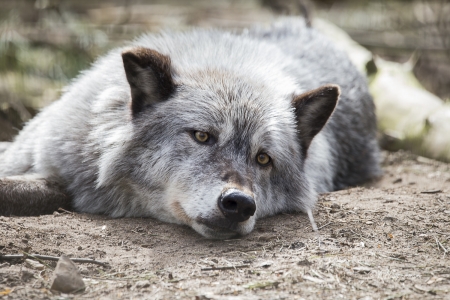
x=206 y=128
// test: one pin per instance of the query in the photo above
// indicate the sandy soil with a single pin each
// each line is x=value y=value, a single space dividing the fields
x=386 y=241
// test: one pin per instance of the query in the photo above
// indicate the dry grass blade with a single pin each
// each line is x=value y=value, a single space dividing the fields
x=225 y=268
x=53 y=258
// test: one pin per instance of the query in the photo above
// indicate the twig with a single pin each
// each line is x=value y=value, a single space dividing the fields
x=54 y=258
x=39 y=260
x=431 y=192
x=324 y=225
x=443 y=233
x=66 y=211
x=225 y=268
x=394 y=258
x=439 y=244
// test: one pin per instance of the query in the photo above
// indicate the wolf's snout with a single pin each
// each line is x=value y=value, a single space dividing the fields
x=237 y=206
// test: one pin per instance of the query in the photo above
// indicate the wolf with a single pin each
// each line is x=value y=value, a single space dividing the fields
x=206 y=128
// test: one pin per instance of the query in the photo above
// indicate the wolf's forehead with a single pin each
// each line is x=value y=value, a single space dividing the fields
x=236 y=100
x=251 y=115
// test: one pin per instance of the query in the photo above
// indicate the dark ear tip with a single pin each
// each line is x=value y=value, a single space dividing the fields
x=128 y=57
x=333 y=89
x=126 y=53
x=136 y=54
x=129 y=54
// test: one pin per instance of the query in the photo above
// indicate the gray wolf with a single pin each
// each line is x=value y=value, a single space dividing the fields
x=205 y=128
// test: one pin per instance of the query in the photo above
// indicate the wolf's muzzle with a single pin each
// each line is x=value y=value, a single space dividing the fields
x=236 y=206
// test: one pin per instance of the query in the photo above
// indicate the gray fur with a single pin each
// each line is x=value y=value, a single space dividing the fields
x=21 y=195
x=236 y=86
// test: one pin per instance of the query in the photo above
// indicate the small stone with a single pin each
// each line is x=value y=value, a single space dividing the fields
x=424 y=236
x=80 y=248
x=304 y=262
x=67 y=278
x=398 y=180
x=297 y=245
x=32 y=264
x=362 y=270
x=26 y=275
x=142 y=284
x=369 y=222
x=335 y=206
x=266 y=264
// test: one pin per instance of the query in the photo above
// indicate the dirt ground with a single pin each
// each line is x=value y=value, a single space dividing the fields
x=386 y=241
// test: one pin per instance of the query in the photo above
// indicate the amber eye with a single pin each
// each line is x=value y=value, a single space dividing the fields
x=263 y=159
x=201 y=137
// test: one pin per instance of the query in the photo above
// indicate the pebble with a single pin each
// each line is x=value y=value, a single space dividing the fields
x=142 y=284
x=266 y=264
x=32 y=264
x=362 y=270
x=67 y=277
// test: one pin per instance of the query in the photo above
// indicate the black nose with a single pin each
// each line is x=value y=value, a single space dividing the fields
x=237 y=206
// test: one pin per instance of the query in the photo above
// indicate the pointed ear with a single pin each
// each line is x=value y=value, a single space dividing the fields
x=313 y=109
x=149 y=75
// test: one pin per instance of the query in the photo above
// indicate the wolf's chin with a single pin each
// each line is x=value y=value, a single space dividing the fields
x=213 y=232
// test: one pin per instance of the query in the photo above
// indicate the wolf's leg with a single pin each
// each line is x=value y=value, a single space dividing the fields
x=31 y=195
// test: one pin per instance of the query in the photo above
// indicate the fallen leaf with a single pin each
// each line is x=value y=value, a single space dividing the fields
x=6 y=291
x=262 y=285
x=313 y=279
x=435 y=279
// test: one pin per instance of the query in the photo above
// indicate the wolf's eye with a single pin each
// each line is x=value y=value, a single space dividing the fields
x=201 y=137
x=263 y=159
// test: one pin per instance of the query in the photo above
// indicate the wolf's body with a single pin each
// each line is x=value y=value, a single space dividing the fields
x=126 y=153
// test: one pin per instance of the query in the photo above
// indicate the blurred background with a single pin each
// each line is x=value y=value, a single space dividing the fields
x=46 y=43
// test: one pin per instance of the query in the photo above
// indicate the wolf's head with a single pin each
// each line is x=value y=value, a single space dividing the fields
x=215 y=148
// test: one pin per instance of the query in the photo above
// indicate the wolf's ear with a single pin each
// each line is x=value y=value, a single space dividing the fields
x=149 y=75
x=313 y=109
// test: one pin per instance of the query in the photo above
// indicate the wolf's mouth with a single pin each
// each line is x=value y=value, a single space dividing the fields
x=221 y=225
x=219 y=228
